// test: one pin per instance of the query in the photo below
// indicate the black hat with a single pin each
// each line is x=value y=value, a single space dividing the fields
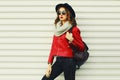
x=66 y=6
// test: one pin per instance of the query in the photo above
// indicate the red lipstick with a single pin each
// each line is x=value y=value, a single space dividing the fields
x=61 y=17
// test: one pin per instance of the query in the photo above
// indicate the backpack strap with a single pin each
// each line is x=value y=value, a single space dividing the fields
x=71 y=29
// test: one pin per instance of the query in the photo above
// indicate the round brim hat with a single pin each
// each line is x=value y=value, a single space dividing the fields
x=66 y=6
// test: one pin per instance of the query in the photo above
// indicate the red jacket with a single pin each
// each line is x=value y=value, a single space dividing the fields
x=61 y=46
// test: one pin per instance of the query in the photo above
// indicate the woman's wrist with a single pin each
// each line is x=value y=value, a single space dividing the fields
x=49 y=64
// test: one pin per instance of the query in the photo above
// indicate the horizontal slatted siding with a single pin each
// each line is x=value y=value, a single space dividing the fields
x=26 y=34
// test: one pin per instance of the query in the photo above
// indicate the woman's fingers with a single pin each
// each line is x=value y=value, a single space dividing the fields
x=69 y=36
x=48 y=72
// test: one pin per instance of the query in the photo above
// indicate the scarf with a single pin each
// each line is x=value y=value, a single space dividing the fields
x=59 y=30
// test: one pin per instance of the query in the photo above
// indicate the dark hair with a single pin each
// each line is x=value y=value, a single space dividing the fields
x=71 y=19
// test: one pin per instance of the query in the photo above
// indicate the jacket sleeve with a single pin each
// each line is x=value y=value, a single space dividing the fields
x=51 y=55
x=77 y=42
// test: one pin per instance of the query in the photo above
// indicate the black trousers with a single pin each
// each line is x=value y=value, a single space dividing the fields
x=65 y=65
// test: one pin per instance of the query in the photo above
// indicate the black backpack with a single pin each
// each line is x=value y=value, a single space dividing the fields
x=80 y=57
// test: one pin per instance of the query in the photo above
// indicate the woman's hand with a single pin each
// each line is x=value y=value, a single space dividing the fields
x=48 y=71
x=69 y=36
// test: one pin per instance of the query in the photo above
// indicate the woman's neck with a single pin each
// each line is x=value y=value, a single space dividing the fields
x=63 y=22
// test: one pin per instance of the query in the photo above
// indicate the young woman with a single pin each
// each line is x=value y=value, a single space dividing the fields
x=62 y=40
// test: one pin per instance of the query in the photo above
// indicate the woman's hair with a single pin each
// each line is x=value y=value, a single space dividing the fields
x=71 y=20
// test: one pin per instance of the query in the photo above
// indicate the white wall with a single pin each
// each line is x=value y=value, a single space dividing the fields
x=26 y=34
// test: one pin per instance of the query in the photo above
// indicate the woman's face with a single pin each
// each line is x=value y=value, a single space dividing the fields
x=62 y=14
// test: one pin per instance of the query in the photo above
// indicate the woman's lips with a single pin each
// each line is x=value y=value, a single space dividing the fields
x=61 y=17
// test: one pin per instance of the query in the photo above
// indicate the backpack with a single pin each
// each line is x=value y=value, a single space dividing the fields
x=80 y=57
